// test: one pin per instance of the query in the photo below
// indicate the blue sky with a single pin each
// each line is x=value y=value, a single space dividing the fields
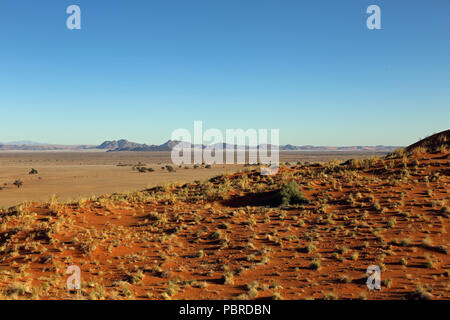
x=143 y=68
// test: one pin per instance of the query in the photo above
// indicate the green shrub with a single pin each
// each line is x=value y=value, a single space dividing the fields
x=290 y=194
x=170 y=169
x=18 y=183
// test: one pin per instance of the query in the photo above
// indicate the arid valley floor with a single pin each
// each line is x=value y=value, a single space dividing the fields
x=309 y=232
x=72 y=175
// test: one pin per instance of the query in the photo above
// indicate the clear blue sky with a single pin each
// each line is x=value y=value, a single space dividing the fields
x=140 y=69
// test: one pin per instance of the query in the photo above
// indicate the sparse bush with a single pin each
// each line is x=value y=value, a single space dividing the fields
x=135 y=277
x=216 y=235
x=316 y=264
x=421 y=294
x=406 y=242
x=227 y=278
x=388 y=282
x=277 y=296
x=199 y=254
x=391 y=223
x=290 y=194
x=18 y=183
x=33 y=171
x=377 y=205
x=330 y=296
x=445 y=211
x=310 y=248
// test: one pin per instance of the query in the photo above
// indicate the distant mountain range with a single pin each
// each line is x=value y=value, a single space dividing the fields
x=125 y=145
x=37 y=146
x=26 y=142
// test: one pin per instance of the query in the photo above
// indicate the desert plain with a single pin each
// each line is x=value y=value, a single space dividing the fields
x=70 y=175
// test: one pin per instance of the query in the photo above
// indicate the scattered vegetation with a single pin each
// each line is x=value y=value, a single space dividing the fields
x=225 y=238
